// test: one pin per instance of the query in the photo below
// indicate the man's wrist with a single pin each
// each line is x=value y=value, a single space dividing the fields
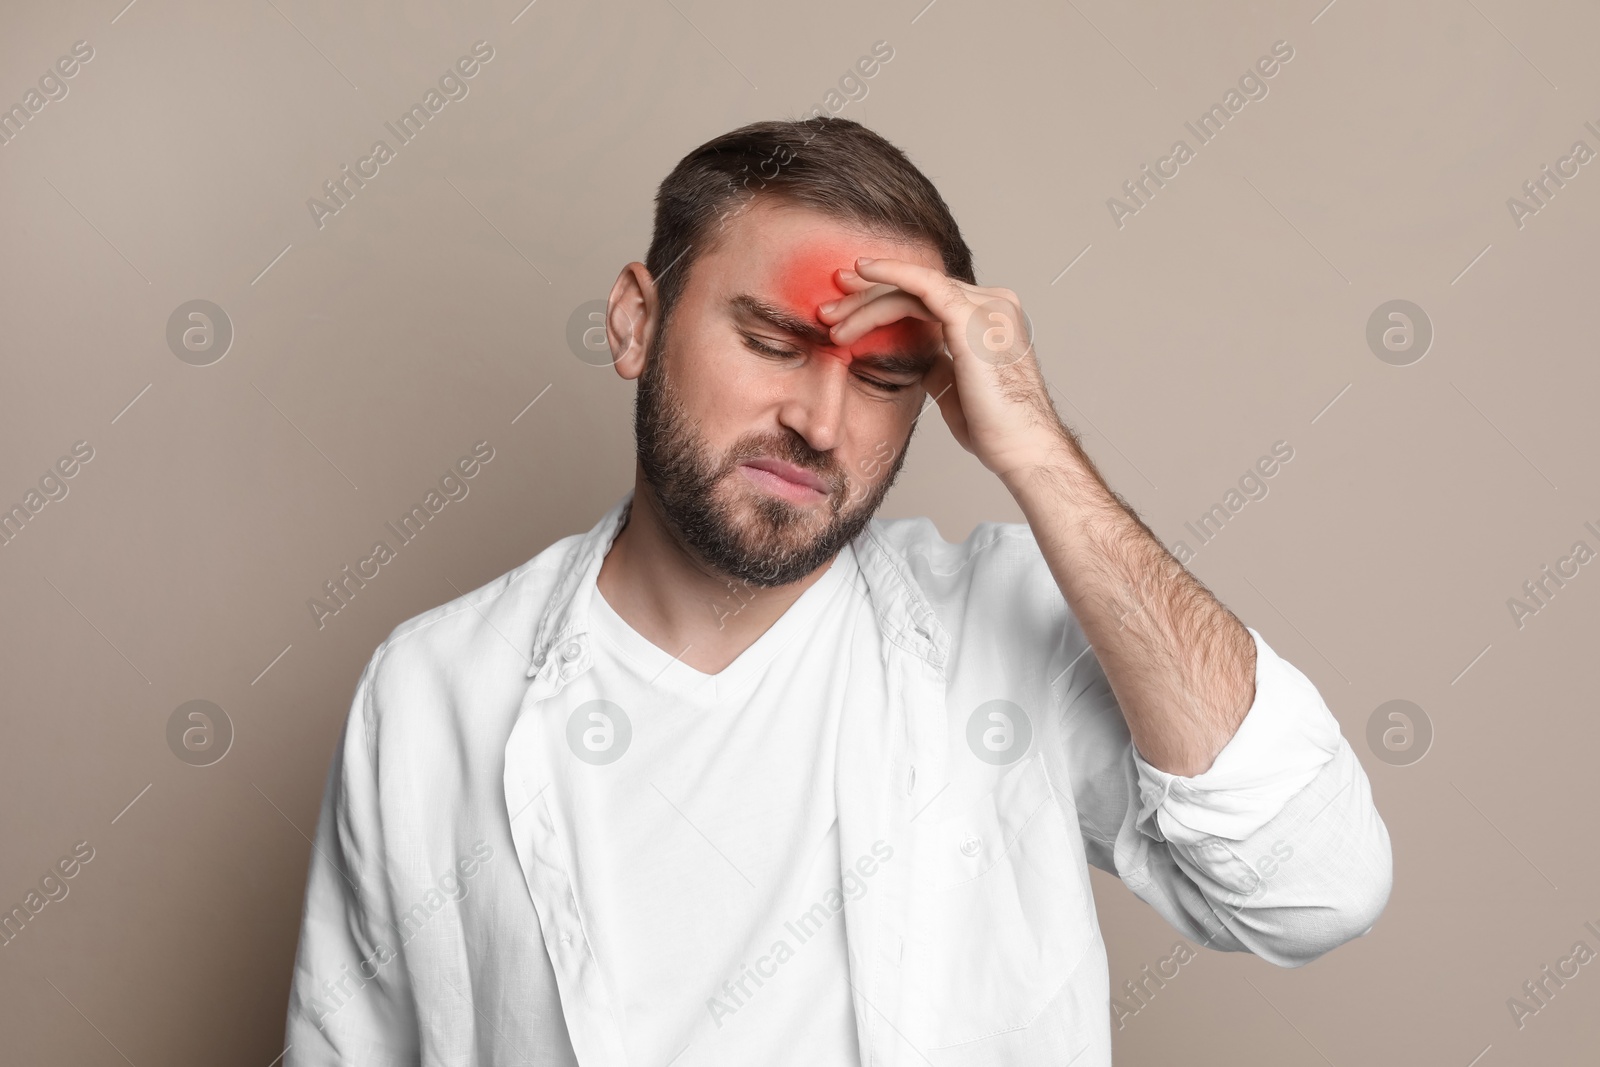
x=1056 y=463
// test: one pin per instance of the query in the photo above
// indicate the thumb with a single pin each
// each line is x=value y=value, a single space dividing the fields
x=940 y=384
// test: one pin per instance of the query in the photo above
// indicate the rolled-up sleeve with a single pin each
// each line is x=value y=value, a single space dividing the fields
x=1285 y=739
x=1276 y=849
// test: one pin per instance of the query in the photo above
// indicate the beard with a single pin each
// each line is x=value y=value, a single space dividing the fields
x=740 y=531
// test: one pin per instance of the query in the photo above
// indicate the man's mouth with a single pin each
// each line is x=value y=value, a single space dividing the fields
x=785 y=479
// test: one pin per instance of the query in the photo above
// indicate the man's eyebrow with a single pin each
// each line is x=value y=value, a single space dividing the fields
x=916 y=363
x=773 y=315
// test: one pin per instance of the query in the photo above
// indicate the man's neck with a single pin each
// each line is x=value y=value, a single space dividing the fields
x=676 y=602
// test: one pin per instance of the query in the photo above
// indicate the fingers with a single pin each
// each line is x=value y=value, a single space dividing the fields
x=850 y=281
x=892 y=307
x=858 y=292
x=937 y=290
x=881 y=291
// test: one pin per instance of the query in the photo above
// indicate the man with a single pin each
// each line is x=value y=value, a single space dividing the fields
x=743 y=775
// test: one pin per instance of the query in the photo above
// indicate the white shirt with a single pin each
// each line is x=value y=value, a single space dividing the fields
x=447 y=914
x=702 y=846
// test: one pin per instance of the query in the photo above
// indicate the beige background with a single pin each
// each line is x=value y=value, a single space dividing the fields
x=1228 y=314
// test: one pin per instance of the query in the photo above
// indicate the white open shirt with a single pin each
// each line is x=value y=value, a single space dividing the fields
x=447 y=916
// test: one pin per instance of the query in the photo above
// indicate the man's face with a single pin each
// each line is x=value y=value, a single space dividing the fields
x=768 y=446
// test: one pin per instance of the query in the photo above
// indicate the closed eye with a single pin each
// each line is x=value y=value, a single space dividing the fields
x=757 y=345
x=768 y=350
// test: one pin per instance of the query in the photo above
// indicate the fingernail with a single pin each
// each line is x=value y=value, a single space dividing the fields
x=829 y=306
x=848 y=274
x=863 y=262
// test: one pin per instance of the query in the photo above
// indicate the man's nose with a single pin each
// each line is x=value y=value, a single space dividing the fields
x=814 y=406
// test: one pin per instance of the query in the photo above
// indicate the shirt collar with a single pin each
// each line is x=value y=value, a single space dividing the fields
x=904 y=615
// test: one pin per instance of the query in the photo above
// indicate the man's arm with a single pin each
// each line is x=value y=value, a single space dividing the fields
x=1182 y=666
x=1235 y=762
x=350 y=1000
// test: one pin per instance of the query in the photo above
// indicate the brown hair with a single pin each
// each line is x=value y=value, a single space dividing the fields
x=836 y=166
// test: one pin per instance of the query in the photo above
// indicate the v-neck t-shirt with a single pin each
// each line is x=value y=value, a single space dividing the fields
x=707 y=854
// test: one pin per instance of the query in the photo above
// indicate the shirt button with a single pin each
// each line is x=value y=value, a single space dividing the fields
x=570 y=650
x=911 y=779
x=970 y=846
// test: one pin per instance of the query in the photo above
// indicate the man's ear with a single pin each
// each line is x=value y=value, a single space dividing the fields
x=631 y=312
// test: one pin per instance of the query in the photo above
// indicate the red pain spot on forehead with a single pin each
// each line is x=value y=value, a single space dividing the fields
x=805 y=280
x=805 y=277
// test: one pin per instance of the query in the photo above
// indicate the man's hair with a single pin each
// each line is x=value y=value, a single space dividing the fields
x=835 y=166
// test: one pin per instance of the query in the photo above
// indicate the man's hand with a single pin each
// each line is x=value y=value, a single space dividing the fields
x=999 y=408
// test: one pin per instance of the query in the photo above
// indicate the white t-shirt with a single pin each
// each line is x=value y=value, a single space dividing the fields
x=704 y=851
